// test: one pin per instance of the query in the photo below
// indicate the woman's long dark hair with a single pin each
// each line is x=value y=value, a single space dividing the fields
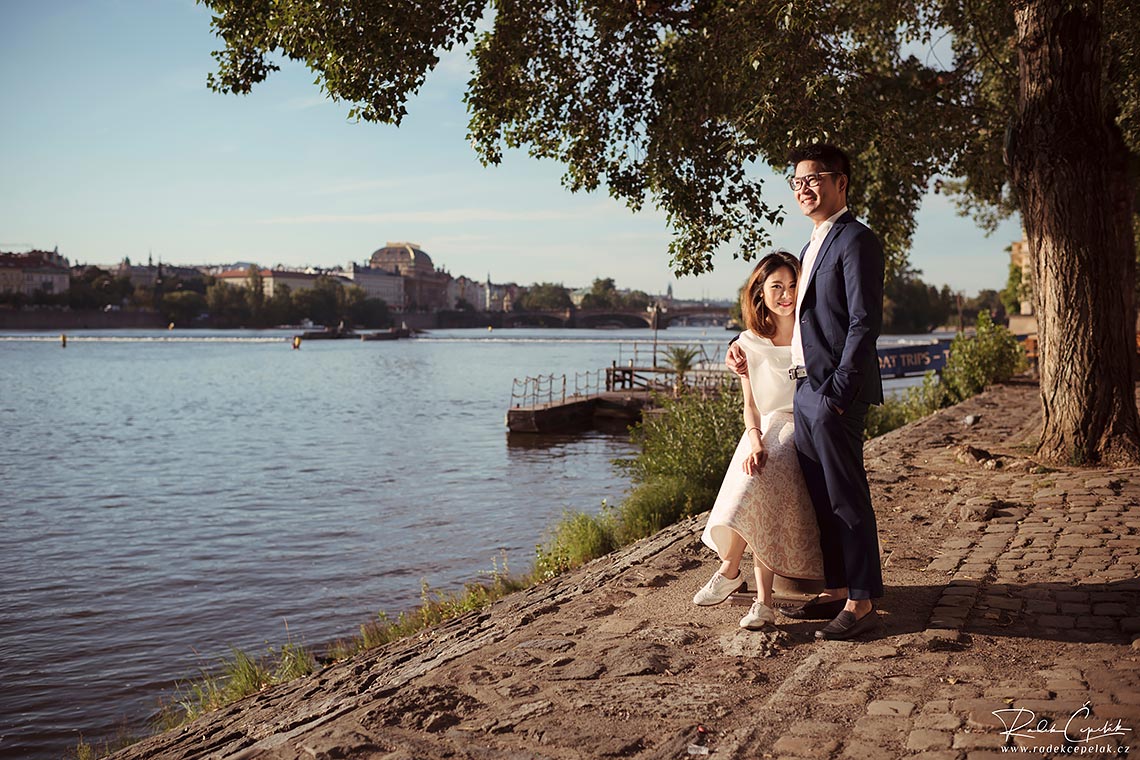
x=757 y=317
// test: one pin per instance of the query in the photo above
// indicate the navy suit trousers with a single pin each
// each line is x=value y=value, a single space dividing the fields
x=830 y=449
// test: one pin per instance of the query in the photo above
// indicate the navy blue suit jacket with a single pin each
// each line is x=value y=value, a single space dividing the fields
x=842 y=314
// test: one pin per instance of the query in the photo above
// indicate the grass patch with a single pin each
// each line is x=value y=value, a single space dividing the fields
x=577 y=538
x=660 y=502
x=84 y=750
x=232 y=678
x=241 y=674
x=435 y=607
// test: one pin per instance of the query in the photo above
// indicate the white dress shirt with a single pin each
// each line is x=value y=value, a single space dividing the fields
x=817 y=236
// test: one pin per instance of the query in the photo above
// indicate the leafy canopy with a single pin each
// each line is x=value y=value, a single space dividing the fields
x=678 y=103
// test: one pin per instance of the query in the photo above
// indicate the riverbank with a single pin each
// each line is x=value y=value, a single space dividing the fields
x=1010 y=586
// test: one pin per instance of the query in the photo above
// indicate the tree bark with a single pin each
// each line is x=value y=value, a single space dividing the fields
x=1069 y=165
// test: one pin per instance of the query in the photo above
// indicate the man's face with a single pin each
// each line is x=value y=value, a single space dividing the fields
x=828 y=196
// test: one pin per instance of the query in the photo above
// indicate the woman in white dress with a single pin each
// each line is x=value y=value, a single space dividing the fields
x=763 y=503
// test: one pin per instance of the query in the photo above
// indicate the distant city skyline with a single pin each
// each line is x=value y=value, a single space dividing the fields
x=115 y=148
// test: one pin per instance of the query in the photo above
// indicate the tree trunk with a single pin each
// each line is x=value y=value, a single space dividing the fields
x=1069 y=165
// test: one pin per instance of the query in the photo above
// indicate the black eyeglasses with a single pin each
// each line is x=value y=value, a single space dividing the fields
x=808 y=180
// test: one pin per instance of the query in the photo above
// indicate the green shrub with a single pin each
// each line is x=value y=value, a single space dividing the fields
x=991 y=355
x=691 y=438
x=659 y=502
x=685 y=449
x=924 y=399
x=576 y=539
x=293 y=661
x=234 y=677
x=884 y=418
x=911 y=404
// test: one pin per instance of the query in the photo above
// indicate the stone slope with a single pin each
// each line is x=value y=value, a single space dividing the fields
x=1005 y=585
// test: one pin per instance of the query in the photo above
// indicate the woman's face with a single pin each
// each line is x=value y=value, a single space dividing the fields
x=780 y=292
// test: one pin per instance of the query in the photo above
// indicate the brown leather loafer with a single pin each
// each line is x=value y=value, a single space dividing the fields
x=815 y=610
x=847 y=626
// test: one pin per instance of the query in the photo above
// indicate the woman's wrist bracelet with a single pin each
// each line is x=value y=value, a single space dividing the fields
x=754 y=428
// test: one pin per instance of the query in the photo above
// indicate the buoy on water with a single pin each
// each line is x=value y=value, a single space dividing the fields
x=489 y=328
x=63 y=340
x=296 y=342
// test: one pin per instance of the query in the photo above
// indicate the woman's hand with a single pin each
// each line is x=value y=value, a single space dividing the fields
x=736 y=360
x=755 y=461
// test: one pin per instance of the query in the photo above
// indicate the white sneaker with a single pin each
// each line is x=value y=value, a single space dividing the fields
x=759 y=616
x=717 y=589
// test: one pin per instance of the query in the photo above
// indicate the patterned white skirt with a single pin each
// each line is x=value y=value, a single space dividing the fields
x=772 y=510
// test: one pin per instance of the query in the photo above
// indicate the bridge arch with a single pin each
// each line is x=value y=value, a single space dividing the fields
x=535 y=319
x=607 y=318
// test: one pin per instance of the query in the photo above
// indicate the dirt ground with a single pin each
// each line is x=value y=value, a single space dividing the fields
x=1009 y=587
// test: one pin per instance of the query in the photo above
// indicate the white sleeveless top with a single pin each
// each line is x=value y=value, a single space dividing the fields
x=768 y=366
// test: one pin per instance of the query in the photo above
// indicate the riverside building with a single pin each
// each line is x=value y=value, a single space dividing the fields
x=34 y=272
x=425 y=288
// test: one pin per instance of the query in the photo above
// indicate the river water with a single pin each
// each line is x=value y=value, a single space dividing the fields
x=167 y=496
x=164 y=496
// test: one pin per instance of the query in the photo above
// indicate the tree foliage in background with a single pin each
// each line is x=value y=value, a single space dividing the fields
x=675 y=103
x=1015 y=290
x=326 y=303
x=255 y=295
x=366 y=312
x=546 y=296
x=221 y=304
x=227 y=305
x=912 y=306
x=604 y=294
x=96 y=288
x=182 y=307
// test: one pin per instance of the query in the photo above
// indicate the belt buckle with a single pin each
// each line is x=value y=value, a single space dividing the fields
x=795 y=373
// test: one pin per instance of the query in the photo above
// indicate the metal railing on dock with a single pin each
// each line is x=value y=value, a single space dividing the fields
x=640 y=366
x=661 y=379
x=652 y=353
x=550 y=389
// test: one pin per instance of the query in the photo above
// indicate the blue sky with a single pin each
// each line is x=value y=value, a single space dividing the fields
x=112 y=146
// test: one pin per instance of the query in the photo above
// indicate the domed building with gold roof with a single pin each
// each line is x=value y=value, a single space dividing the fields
x=425 y=288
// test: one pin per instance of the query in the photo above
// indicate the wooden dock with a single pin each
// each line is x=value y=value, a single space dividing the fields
x=552 y=404
x=577 y=412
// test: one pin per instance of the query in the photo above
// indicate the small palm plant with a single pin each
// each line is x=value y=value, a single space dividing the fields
x=681 y=359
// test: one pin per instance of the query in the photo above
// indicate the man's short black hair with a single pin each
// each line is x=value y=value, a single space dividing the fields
x=832 y=158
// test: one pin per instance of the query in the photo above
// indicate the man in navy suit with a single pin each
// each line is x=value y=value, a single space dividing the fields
x=839 y=312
